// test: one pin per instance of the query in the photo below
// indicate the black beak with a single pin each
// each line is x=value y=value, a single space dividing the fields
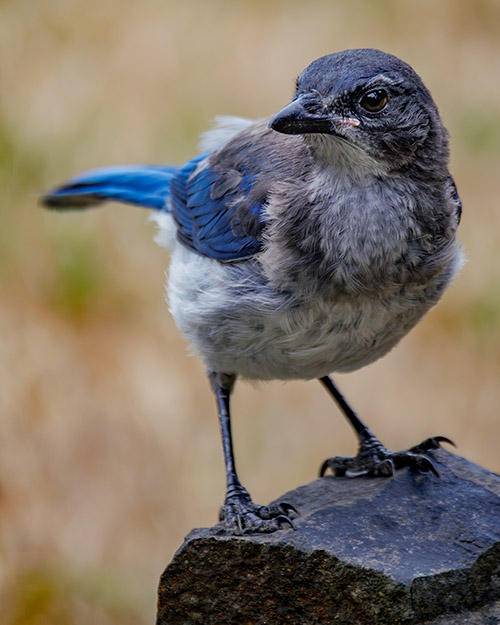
x=296 y=119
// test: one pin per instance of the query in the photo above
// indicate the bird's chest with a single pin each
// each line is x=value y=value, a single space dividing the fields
x=329 y=336
x=344 y=237
x=239 y=324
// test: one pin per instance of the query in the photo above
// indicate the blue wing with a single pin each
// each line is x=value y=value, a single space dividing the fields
x=218 y=213
x=139 y=185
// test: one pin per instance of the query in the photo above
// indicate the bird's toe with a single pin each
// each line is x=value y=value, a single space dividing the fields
x=245 y=517
x=374 y=459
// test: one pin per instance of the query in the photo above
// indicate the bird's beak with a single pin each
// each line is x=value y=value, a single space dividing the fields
x=296 y=119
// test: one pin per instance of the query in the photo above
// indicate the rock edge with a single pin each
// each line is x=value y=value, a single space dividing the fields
x=401 y=551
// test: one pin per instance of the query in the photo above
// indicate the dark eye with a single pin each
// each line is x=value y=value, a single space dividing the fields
x=374 y=101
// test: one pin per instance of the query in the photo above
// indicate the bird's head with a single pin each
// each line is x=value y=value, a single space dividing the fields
x=368 y=100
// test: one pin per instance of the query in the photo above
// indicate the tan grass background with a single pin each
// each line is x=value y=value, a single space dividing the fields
x=109 y=448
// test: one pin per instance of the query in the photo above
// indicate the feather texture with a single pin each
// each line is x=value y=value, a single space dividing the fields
x=140 y=185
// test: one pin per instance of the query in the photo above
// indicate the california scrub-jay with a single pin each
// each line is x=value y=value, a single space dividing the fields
x=304 y=244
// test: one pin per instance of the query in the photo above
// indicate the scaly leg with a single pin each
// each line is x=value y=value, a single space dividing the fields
x=239 y=515
x=373 y=458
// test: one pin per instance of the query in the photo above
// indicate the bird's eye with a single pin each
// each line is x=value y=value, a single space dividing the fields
x=374 y=101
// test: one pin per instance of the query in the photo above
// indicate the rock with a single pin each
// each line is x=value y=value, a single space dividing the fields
x=408 y=550
x=487 y=615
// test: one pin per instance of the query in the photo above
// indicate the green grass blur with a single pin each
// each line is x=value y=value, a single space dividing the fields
x=109 y=446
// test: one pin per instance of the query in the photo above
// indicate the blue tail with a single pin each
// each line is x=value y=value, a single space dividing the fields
x=140 y=185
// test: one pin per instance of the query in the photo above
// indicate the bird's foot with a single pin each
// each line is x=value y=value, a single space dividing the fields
x=240 y=515
x=374 y=459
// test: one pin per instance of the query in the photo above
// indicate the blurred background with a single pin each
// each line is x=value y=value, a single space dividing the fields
x=109 y=445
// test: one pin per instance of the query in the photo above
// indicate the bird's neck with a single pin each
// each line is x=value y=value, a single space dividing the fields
x=343 y=158
x=349 y=234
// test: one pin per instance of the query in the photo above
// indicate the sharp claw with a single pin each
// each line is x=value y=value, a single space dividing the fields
x=284 y=519
x=431 y=443
x=434 y=470
x=424 y=465
x=444 y=439
x=323 y=469
x=281 y=508
x=286 y=506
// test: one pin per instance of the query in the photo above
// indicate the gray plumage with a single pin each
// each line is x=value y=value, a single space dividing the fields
x=305 y=244
x=360 y=230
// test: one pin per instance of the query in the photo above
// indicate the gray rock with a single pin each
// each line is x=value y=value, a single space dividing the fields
x=486 y=615
x=411 y=549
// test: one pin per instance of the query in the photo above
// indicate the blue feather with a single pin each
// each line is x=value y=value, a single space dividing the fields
x=140 y=185
x=211 y=226
x=208 y=215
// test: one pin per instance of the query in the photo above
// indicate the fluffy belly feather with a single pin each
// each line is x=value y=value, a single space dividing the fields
x=241 y=325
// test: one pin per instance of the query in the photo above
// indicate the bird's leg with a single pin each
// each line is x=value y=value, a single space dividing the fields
x=239 y=515
x=373 y=458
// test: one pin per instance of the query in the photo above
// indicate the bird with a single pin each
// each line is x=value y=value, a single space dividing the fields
x=304 y=244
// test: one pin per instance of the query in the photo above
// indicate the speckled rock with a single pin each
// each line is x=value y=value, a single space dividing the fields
x=408 y=550
x=485 y=615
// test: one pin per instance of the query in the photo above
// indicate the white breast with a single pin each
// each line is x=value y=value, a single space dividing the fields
x=239 y=324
